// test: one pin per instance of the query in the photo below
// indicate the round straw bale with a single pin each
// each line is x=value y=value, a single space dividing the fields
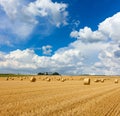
x=21 y=78
x=62 y=79
x=96 y=80
x=86 y=81
x=32 y=79
x=7 y=78
x=48 y=79
x=58 y=79
x=102 y=80
x=116 y=81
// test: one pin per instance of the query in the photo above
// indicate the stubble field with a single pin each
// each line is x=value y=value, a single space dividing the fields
x=20 y=97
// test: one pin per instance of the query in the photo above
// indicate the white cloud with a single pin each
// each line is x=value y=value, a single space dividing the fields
x=109 y=63
x=77 y=58
x=108 y=52
x=107 y=30
x=47 y=49
x=91 y=53
x=15 y=20
x=54 y=11
x=69 y=60
x=111 y=27
x=74 y=34
x=27 y=60
x=75 y=24
x=87 y=35
x=18 y=59
x=21 y=17
x=11 y=7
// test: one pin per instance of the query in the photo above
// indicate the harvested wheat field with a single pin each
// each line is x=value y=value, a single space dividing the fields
x=59 y=98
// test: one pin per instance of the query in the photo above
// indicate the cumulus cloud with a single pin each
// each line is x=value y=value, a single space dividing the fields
x=111 y=27
x=47 y=49
x=87 y=35
x=54 y=11
x=76 y=58
x=18 y=59
x=107 y=30
x=14 y=19
x=109 y=63
x=94 y=52
x=68 y=60
x=27 y=60
x=108 y=56
x=21 y=17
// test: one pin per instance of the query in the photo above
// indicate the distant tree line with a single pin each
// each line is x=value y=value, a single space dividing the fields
x=11 y=75
x=48 y=73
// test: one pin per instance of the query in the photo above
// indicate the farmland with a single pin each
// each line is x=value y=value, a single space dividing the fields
x=55 y=98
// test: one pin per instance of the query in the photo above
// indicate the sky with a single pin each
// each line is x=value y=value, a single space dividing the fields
x=71 y=37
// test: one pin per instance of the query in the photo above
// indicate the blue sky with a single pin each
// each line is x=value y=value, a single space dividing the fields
x=69 y=37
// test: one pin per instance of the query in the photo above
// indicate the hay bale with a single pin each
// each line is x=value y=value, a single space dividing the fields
x=86 y=81
x=102 y=80
x=58 y=79
x=21 y=79
x=32 y=79
x=7 y=78
x=96 y=80
x=62 y=79
x=48 y=79
x=116 y=81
